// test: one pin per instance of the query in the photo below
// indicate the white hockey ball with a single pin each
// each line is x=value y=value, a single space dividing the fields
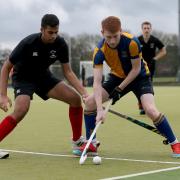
x=97 y=160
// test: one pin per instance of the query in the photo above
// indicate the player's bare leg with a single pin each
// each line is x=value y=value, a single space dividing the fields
x=22 y=103
x=65 y=93
x=161 y=122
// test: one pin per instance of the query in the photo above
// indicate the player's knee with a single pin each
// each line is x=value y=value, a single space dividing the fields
x=76 y=100
x=152 y=112
x=88 y=112
x=90 y=105
x=20 y=112
x=158 y=119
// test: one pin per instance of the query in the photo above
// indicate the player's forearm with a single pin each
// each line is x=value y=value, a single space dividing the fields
x=130 y=77
x=3 y=84
x=98 y=96
x=97 y=87
x=74 y=81
x=4 y=80
x=161 y=54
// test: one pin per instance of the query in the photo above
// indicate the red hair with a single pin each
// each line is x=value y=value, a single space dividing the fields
x=111 y=23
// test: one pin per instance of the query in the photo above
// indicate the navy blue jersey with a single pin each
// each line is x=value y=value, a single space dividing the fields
x=31 y=57
x=119 y=58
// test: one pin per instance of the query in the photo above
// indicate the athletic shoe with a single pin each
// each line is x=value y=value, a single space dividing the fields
x=96 y=143
x=142 y=112
x=3 y=154
x=77 y=144
x=176 y=150
x=92 y=150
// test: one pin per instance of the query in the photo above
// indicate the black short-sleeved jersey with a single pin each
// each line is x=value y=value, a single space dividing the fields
x=149 y=48
x=31 y=57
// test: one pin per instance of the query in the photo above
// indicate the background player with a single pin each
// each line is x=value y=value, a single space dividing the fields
x=30 y=61
x=152 y=50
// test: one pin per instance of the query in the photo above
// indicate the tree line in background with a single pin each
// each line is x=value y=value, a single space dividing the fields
x=81 y=49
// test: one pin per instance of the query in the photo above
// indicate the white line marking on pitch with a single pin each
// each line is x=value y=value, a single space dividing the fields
x=38 y=153
x=116 y=159
x=142 y=173
x=145 y=161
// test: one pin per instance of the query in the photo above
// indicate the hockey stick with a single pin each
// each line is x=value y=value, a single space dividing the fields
x=139 y=123
x=84 y=153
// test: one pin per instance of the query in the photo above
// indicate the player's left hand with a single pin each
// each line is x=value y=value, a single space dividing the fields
x=84 y=97
x=115 y=95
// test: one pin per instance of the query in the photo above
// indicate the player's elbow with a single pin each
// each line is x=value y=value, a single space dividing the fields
x=164 y=51
x=137 y=70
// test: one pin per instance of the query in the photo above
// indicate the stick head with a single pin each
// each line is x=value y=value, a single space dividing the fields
x=82 y=159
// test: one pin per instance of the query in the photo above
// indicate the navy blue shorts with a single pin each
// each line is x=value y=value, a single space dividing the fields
x=41 y=86
x=140 y=86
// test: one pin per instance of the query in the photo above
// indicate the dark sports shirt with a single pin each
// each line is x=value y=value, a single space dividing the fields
x=149 y=48
x=31 y=57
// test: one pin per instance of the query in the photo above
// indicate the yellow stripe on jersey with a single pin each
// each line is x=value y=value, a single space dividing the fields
x=128 y=35
x=146 y=66
x=113 y=61
x=95 y=52
x=134 y=49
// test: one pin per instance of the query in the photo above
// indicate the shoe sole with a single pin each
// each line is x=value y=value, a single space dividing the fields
x=98 y=144
x=4 y=156
x=176 y=155
x=78 y=153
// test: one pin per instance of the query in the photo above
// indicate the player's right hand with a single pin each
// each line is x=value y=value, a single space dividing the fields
x=5 y=102
x=115 y=95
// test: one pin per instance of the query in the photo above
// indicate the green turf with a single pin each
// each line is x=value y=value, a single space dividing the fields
x=46 y=128
x=164 y=79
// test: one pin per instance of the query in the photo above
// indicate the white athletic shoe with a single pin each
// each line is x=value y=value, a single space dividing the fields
x=96 y=143
x=78 y=143
x=3 y=154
